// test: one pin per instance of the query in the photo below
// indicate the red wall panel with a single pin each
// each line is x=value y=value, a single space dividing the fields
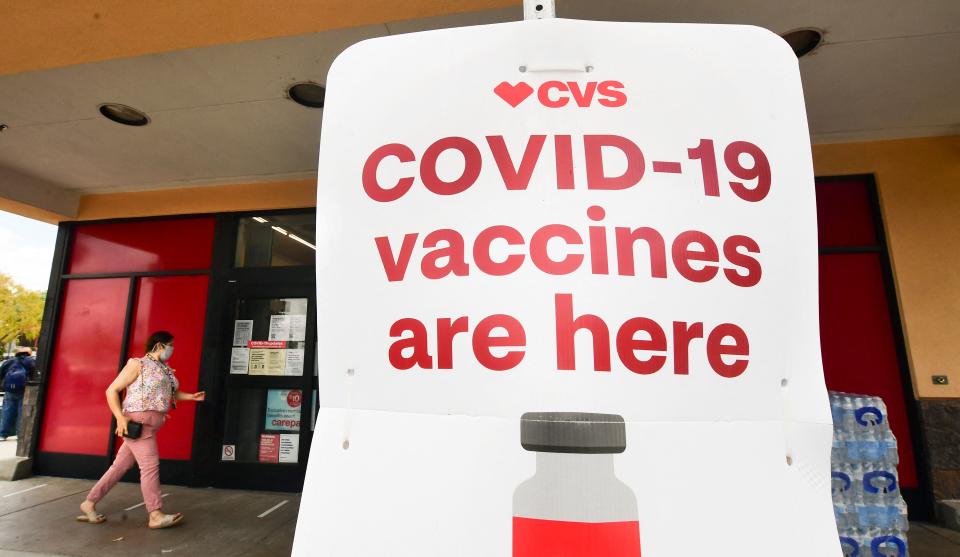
x=858 y=344
x=845 y=214
x=856 y=333
x=177 y=304
x=86 y=357
x=159 y=245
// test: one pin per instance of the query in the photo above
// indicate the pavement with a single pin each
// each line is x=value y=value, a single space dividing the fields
x=37 y=519
x=927 y=540
x=8 y=448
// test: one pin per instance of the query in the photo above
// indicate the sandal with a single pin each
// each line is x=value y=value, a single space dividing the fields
x=92 y=518
x=167 y=521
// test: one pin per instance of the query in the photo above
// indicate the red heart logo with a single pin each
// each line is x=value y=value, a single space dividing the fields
x=513 y=94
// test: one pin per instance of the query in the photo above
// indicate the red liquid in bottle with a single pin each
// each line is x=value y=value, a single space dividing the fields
x=533 y=537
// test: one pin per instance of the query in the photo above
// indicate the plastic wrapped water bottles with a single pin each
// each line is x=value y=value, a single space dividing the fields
x=871 y=514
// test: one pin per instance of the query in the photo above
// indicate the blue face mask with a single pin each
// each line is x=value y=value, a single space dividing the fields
x=166 y=354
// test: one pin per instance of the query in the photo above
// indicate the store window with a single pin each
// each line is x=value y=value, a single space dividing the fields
x=277 y=240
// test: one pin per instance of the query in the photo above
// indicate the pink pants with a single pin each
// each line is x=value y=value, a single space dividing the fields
x=143 y=451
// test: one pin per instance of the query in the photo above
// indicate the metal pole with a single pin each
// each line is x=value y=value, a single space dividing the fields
x=539 y=9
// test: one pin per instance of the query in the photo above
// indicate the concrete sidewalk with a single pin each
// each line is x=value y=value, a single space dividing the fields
x=927 y=540
x=8 y=448
x=12 y=467
x=37 y=516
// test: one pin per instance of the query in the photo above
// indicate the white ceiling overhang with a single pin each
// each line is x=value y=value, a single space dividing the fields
x=219 y=114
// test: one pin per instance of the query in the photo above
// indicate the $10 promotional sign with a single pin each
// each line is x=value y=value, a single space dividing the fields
x=567 y=297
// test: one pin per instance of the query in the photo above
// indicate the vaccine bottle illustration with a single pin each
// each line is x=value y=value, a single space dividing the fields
x=574 y=506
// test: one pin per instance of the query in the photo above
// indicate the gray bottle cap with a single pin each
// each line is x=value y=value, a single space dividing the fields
x=573 y=432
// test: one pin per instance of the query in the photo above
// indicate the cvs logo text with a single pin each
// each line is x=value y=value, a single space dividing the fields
x=559 y=94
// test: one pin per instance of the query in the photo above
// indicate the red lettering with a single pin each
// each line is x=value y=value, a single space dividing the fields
x=731 y=250
x=627 y=345
x=683 y=333
x=417 y=343
x=516 y=178
x=598 y=242
x=611 y=94
x=483 y=341
x=567 y=328
x=596 y=177
x=626 y=239
x=759 y=171
x=372 y=187
x=683 y=254
x=563 y=148
x=582 y=98
x=395 y=267
x=471 y=165
x=540 y=257
x=453 y=252
x=446 y=330
x=653 y=340
x=481 y=250
x=716 y=350
x=543 y=94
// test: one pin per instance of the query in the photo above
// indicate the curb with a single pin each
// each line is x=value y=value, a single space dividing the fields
x=15 y=468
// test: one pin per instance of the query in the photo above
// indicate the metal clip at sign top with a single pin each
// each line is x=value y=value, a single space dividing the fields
x=539 y=9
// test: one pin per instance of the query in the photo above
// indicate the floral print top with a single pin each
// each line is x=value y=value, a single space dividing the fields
x=153 y=389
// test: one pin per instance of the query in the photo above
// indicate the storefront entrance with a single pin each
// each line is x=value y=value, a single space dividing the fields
x=255 y=433
x=265 y=418
x=238 y=293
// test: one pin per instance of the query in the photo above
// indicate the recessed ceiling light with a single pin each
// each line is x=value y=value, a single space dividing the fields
x=123 y=114
x=804 y=41
x=307 y=94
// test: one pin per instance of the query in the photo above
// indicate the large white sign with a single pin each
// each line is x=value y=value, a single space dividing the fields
x=567 y=298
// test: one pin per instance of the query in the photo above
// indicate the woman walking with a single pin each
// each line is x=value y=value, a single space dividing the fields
x=152 y=388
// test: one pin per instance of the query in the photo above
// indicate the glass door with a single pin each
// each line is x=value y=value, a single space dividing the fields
x=259 y=354
x=268 y=404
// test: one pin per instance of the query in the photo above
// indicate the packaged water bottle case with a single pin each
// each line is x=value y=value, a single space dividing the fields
x=870 y=511
x=574 y=506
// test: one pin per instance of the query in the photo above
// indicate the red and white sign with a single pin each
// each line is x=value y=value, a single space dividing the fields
x=270 y=447
x=267 y=344
x=620 y=237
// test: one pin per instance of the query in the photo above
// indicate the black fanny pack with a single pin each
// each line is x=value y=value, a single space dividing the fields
x=134 y=429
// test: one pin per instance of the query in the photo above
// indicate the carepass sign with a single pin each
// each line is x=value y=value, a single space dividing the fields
x=567 y=297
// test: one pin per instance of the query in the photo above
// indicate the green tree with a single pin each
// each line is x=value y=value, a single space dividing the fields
x=21 y=313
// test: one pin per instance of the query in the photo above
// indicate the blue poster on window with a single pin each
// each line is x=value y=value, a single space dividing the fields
x=283 y=410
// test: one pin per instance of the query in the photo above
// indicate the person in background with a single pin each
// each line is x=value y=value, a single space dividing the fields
x=152 y=389
x=13 y=378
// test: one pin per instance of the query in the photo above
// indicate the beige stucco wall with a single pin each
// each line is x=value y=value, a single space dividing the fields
x=919 y=186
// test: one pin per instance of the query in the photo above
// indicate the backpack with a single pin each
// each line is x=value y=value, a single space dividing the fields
x=15 y=378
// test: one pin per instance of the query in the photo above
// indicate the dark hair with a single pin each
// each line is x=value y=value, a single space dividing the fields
x=159 y=337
